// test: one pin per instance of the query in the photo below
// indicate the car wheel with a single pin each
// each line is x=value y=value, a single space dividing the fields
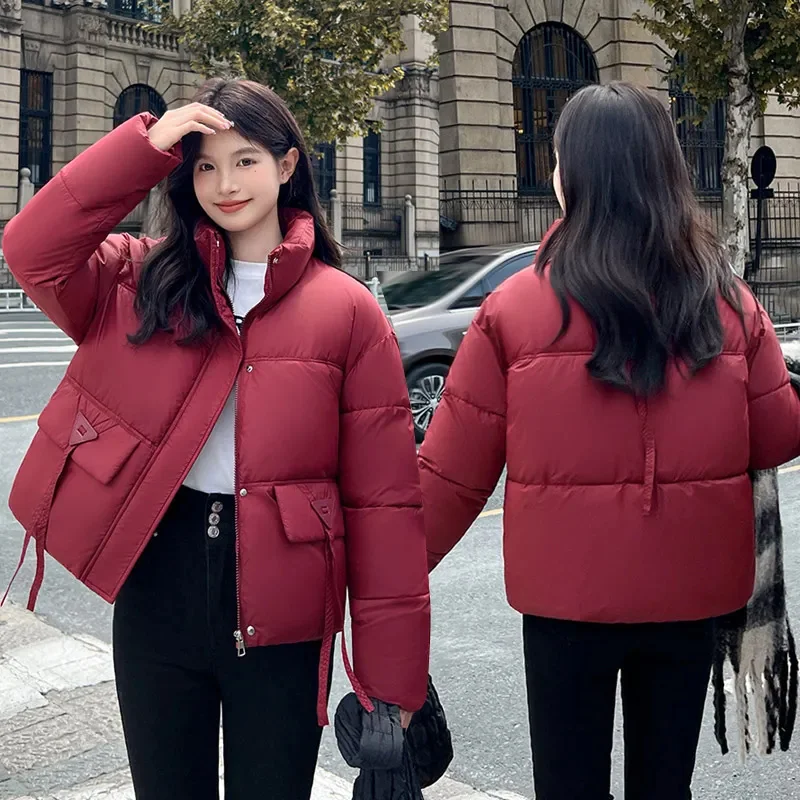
x=425 y=390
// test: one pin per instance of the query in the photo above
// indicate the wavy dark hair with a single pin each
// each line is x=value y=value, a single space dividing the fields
x=634 y=249
x=174 y=290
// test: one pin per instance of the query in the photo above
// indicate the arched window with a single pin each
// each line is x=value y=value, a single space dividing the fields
x=552 y=62
x=702 y=138
x=136 y=99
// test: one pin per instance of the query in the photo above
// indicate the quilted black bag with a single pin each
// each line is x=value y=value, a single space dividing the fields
x=428 y=740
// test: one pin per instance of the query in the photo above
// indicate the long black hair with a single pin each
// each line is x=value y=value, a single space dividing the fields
x=174 y=290
x=634 y=249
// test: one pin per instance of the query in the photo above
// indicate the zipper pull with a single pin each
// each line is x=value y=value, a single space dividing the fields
x=240 y=648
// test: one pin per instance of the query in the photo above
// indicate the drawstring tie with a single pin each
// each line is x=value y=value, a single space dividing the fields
x=82 y=431
x=324 y=511
x=649 y=442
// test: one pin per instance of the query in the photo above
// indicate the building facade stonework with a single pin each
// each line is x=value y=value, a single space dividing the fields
x=68 y=71
x=497 y=52
x=481 y=117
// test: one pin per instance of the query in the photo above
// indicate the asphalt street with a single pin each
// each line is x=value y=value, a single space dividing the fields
x=476 y=648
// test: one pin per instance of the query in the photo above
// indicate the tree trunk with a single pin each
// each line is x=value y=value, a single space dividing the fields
x=741 y=113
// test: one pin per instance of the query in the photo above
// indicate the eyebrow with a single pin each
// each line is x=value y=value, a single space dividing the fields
x=242 y=151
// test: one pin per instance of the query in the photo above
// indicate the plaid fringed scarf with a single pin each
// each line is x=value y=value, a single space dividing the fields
x=758 y=643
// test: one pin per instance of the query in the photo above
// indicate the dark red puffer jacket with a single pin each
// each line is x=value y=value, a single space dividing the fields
x=326 y=476
x=616 y=509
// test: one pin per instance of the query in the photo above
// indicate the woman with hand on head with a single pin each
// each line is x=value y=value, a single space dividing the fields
x=230 y=451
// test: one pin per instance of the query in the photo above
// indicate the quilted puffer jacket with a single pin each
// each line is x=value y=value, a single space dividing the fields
x=327 y=487
x=617 y=508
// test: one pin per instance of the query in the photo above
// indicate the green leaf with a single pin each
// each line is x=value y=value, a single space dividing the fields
x=324 y=57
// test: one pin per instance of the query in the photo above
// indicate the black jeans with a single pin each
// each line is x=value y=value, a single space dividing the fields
x=571 y=670
x=176 y=667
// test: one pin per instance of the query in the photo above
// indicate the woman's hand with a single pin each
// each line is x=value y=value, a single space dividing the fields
x=405 y=718
x=175 y=124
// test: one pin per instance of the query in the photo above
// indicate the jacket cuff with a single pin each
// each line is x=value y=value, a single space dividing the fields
x=122 y=163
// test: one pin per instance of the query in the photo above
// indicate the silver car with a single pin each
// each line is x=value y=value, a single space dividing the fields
x=431 y=312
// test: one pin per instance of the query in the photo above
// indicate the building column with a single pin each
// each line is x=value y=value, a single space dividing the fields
x=350 y=169
x=476 y=140
x=413 y=134
x=86 y=113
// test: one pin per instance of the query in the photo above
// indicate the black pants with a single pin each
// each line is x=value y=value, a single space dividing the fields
x=571 y=670
x=176 y=667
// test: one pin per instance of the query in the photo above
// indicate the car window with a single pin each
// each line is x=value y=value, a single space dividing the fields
x=418 y=289
x=473 y=297
x=507 y=269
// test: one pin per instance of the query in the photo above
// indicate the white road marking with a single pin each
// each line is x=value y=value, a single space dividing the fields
x=35 y=364
x=35 y=339
x=67 y=348
x=4 y=331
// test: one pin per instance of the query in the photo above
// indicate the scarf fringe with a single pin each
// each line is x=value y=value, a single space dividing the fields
x=758 y=644
x=765 y=684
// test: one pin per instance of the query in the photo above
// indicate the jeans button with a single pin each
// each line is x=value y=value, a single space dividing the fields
x=216 y=506
x=213 y=532
x=213 y=519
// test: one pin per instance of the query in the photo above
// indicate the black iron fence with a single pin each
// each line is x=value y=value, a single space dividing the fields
x=493 y=216
x=373 y=230
x=483 y=215
x=7 y=280
x=776 y=282
x=369 y=266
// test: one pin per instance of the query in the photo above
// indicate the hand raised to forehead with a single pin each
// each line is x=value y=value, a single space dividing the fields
x=195 y=117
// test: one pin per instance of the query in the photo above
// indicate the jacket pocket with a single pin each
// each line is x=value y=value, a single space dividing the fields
x=75 y=477
x=310 y=512
x=101 y=445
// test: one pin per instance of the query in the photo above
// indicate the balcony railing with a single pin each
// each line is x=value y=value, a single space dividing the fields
x=145 y=10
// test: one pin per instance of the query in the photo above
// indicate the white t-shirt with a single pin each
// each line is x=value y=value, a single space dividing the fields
x=212 y=472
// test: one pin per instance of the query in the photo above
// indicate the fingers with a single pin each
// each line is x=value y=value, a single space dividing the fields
x=195 y=127
x=204 y=120
x=207 y=115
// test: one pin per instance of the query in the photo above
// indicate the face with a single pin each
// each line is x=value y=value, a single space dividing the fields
x=237 y=182
x=557 y=184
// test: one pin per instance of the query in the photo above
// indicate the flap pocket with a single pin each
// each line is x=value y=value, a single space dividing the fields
x=310 y=511
x=102 y=446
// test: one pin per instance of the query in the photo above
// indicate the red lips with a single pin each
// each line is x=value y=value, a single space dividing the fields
x=230 y=208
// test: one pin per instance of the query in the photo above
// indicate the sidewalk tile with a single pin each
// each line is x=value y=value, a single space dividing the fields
x=16 y=695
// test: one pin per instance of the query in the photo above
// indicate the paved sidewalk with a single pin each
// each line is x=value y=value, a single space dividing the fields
x=60 y=734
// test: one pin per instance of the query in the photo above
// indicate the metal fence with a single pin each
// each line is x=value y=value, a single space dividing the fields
x=7 y=280
x=376 y=230
x=483 y=215
x=368 y=266
x=777 y=281
x=492 y=216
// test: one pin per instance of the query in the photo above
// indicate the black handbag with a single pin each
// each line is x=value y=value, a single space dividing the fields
x=429 y=741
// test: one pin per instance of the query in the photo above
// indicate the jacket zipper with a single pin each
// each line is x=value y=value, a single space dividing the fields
x=238 y=637
x=237 y=634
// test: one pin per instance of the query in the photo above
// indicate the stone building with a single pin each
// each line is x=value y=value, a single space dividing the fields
x=473 y=134
x=506 y=69
x=72 y=71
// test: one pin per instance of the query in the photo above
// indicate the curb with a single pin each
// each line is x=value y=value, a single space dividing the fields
x=60 y=734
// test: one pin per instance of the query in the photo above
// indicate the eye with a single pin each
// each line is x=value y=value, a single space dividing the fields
x=246 y=162
x=204 y=167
